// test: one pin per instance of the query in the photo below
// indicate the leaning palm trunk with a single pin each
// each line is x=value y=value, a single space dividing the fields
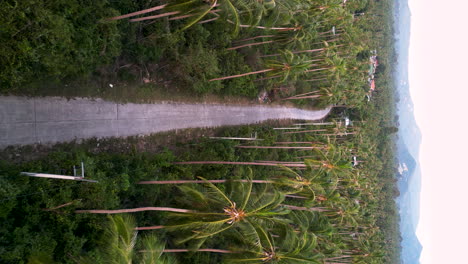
x=300 y=96
x=251 y=44
x=270 y=28
x=155 y=16
x=191 y=15
x=138 y=12
x=307 y=93
x=287 y=128
x=252 y=38
x=306 y=131
x=208 y=20
x=60 y=206
x=241 y=75
x=315 y=124
x=274 y=147
x=339 y=134
x=295 y=196
x=267 y=28
x=303 y=97
x=321 y=69
x=281 y=162
x=270 y=163
x=303 y=51
x=133 y=210
x=199 y=181
x=149 y=228
x=214 y=250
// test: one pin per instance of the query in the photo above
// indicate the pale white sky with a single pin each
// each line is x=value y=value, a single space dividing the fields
x=437 y=76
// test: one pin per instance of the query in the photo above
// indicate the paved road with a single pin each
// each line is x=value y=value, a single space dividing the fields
x=53 y=119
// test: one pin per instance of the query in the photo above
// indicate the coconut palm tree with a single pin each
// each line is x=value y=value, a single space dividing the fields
x=287 y=39
x=192 y=10
x=122 y=245
x=237 y=206
x=284 y=247
x=332 y=161
x=288 y=68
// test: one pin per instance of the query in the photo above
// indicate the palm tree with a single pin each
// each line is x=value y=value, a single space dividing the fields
x=195 y=11
x=287 y=68
x=312 y=222
x=336 y=67
x=285 y=247
x=319 y=94
x=331 y=161
x=240 y=206
x=122 y=245
x=287 y=39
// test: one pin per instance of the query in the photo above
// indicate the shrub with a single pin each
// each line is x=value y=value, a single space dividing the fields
x=54 y=40
x=199 y=65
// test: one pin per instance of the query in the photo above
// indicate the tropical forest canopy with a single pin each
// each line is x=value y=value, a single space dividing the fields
x=306 y=193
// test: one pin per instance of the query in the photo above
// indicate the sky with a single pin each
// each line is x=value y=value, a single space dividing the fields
x=438 y=58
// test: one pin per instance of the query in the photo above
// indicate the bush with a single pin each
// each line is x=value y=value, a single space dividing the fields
x=199 y=65
x=55 y=40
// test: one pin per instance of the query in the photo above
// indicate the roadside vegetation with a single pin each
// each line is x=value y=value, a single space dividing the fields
x=303 y=184
x=320 y=192
x=278 y=50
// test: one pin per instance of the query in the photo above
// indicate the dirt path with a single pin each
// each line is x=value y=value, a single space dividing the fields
x=53 y=119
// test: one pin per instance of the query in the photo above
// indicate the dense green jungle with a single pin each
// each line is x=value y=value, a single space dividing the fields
x=296 y=192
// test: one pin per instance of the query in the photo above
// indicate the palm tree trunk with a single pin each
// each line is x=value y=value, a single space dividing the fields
x=303 y=97
x=191 y=15
x=133 y=210
x=214 y=250
x=149 y=228
x=274 y=147
x=270 y=163
x=241 y=75
x=306 y=131
x=287 y=128
x=138 y=12
x=314 y=50
x=314 y=60
x=251 y=44
x=270 y=28
x=300 y=95
x=300 y=51
x=60 y=206
x=252 y=38
x=339 y=134
x=208 y=20
x=340 y=257
x=321 y=69
x=282 y=162
x=154 y=17
x=199 y=181
x=200 y=250
x=295 y=196
x=301 y=142
x=315 y=124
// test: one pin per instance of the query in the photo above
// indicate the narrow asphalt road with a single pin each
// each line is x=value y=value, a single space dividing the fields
x=52 y=119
